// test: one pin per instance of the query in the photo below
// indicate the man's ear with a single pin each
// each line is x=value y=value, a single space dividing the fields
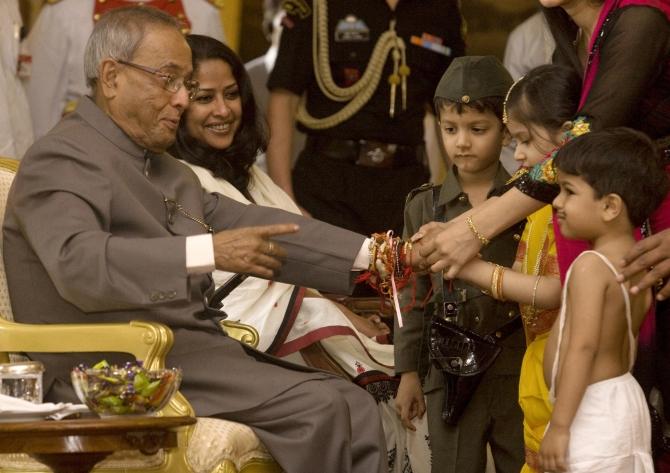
x=612 y=207
x=108 y=77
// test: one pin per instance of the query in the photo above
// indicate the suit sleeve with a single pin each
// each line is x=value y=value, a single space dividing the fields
x=320 y=255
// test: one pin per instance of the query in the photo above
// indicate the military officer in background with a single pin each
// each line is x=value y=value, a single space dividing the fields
x=16 y=133
x=366 y=90
x=58 y=38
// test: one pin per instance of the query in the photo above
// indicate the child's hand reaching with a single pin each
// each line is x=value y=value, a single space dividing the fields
x=554 y=449
x=470 y=270
x=409 y=401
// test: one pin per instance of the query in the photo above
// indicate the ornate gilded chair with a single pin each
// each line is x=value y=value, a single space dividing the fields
x=211 y=446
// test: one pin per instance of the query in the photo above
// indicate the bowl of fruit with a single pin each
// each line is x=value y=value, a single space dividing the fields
x=129 y=389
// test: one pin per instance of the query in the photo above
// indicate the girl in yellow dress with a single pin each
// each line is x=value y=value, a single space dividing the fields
x=538 y=109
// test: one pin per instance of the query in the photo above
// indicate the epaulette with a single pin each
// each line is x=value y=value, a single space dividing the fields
x=414 y=192
x=217 y=3
x=297 y=8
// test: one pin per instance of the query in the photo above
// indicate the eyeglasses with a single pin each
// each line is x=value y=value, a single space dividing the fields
x=170 y=83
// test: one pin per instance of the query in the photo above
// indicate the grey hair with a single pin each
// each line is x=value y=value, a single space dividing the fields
x=118 y=34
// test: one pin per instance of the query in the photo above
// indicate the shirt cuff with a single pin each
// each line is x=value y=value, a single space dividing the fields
x=200 y=254
x=362 y=260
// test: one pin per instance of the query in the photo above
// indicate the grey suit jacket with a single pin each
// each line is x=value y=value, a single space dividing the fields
x=92 y=234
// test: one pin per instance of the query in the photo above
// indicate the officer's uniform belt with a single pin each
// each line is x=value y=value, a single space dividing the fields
x=367 y=153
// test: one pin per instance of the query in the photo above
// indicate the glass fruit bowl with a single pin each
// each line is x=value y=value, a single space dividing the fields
x=111 y=390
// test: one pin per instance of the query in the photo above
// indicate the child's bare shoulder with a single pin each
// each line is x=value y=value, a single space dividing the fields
x=590 y=271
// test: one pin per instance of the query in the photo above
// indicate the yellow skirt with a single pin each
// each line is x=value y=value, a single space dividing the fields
x=534 y=401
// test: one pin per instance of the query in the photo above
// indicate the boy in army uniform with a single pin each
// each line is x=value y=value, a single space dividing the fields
x=469 y=102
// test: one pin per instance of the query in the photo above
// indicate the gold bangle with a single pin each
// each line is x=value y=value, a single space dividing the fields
x=407 y=251
x=532 y=301
x=499 y=284
x=495 y=279
x=482 y=239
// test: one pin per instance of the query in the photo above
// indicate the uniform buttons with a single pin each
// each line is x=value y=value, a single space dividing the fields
x=511 y=314
x=102 y=1
x=153 y=297
x=171 y=294
x=96 y=17
x=462 y=198
x=180 y=16
x=517 y=237
x=498 y=334
x=476 y=318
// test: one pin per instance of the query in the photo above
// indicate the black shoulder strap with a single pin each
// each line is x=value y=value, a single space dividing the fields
x=439 y=213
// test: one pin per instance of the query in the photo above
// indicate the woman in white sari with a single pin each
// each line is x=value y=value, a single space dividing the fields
x=219 y=137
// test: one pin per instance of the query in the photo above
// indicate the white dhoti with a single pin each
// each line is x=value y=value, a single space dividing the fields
x=611 y=431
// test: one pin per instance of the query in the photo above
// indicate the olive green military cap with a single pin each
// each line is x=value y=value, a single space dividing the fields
x=470 y=78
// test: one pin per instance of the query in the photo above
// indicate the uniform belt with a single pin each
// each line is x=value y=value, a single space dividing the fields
x=500 y=333
x=368 y=153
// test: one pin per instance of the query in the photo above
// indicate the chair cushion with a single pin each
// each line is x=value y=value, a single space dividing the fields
x=213 y=442
x=127 y=459
x=6 y=178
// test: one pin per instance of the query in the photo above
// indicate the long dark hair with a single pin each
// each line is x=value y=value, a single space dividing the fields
x=234 y=162
x=547 y=96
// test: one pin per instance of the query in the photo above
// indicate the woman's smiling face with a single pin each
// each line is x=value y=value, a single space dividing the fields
x=215 y=112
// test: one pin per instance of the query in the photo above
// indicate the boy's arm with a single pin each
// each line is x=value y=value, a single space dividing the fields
x=409 y=402
x=544 y=293
x=585 y=303
x=408 y=340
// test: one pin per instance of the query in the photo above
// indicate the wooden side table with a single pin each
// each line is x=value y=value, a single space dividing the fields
x=76 y=446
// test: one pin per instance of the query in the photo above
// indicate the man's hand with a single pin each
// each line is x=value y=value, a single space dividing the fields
x=249 y=250
x=554 y=449
x=652 y=254
x=445 y=246
x=409 y=401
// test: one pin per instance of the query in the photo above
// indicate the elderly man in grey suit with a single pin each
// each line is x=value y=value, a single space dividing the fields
x=102 y=225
